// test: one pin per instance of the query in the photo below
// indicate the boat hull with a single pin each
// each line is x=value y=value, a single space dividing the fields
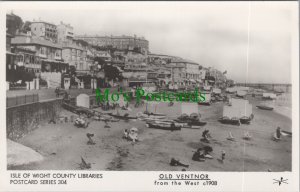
x=265 y=108
x=163 y=126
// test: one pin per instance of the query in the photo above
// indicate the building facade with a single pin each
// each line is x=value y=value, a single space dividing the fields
x=65 y=33
x=76 y=55
x=47 y=54
x=27 y=58
x=186 y=71
x=45 y=30
x=10 y=57
x=118 y=42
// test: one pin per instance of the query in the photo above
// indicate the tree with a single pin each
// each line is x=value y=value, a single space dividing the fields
x=26 y=76
x=12 y=75
x=100 y=61
x=72 y=70
x=112 y=73
x=26 y=27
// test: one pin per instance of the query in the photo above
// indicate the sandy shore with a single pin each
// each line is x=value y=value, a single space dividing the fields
x=62 y=145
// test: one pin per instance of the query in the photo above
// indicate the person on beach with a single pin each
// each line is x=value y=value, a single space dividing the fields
x=198 y=155
x=223 y=156
x=230 y=137
x=125 y=134
x=175 y=162
x=278 y=132
x=247 y=136
x=205 y=135
x=90 y=141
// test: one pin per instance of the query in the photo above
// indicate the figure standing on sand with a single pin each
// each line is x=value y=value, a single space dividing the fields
x=278 y=132
x=223 y=156
x=277 y=135
x=205 y=135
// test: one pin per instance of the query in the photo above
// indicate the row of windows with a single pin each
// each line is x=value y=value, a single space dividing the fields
x=33 y=70
x=28 y=59
x=45 y=51
x=51 y=35
x=51 y=30
x=50 y=26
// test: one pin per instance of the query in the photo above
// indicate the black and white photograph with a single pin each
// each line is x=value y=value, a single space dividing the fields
x=202 y=86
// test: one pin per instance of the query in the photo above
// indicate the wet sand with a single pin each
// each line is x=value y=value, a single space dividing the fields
x=62 y=145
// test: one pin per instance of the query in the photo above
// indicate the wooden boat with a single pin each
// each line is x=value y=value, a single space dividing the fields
x=286 y=133
x=164 y=126
x=232 y=121
x=78 y=110
x=122 y=117
x=154 y=114
x=245 y=120
x=265 y=107
x=191 y=123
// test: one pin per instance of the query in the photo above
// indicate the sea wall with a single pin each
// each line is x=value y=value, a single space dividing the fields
x=22 y=119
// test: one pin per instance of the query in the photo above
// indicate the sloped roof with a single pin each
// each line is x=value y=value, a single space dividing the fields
x=26 y=40
x=72 y=46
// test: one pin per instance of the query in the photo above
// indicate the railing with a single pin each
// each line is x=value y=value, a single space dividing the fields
x=21 y=100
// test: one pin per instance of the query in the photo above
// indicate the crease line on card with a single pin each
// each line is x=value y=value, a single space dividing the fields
x=247 y=69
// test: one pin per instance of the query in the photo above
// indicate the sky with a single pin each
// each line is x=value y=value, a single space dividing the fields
x=252 y=41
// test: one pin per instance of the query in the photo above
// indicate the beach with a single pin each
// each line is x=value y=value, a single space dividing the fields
x=62 y=145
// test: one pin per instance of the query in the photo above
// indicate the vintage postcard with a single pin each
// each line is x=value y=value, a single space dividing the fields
x=150 y=96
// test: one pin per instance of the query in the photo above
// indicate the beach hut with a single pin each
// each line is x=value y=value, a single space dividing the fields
x=239 y=111
x=83 y=100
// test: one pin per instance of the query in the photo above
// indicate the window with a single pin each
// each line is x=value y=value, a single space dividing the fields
x=31 y=59
x=20 y=58
x=43 y=50
x=57 y=53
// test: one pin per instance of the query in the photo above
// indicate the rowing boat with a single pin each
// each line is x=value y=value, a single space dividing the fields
x=263 y=107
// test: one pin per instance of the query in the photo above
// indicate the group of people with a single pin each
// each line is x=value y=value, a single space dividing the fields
x=131 y=134
x=203 y=153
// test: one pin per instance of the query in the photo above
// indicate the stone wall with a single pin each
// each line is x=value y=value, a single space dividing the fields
x=22 y=119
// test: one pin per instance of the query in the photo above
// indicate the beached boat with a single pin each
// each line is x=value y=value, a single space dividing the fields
x=232 y=121
x=245 y=120
x=78 y=110
x=190 y=116
x=190 y=122
x=164 y=126
x=154 y=114
x=263 y=107
x=286 y=133
x=122 y=117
